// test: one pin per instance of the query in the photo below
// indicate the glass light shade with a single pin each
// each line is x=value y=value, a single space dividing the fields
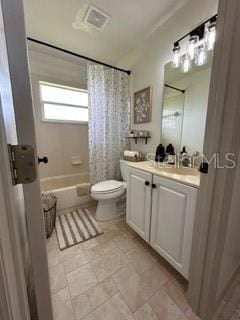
x=211 y=36
x=191 y=49
x=176 y=57
x=186 y=64
x=201 y=57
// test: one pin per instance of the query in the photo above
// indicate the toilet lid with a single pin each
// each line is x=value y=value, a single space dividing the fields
x=107 y=186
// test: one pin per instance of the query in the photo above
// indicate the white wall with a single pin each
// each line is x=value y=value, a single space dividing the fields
x=148 y=59
x=59 y=141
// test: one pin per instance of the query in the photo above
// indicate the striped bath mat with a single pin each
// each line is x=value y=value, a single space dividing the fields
x=76 y=227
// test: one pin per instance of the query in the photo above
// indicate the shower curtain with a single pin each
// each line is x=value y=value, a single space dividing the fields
x=109 y=114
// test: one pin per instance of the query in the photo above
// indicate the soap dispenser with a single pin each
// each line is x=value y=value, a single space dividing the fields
x=170 y=154
x=170 y=150
x=160 y=153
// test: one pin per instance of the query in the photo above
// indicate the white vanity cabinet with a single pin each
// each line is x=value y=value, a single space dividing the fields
x=162 y=212
x=173 y=212
x=139 y=202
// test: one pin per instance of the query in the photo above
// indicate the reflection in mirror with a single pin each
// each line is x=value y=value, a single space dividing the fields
x=185 y=106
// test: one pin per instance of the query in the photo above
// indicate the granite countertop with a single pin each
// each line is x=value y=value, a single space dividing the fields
x=188 y=176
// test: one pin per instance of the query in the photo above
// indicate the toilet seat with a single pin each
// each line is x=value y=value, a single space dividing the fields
x=109 y=186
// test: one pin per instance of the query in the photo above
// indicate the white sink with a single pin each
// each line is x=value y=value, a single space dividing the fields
x=186 y=171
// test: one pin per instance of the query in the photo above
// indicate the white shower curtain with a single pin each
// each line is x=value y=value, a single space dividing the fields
x=109 y=113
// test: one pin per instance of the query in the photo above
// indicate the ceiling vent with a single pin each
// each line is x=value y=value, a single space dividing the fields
x=96 y=18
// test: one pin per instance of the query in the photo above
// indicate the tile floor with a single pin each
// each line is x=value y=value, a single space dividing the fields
x=115 y=276
x=229 y=308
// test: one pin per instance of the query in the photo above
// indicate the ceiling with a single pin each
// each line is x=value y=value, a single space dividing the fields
x=130 y=23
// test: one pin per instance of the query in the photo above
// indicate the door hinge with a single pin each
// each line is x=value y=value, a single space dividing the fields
x=22 y=163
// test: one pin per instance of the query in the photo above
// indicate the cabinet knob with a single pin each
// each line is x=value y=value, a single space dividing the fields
x=154 y=186
x=147 y=183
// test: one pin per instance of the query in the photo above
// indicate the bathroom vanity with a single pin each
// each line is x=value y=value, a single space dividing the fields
x=161 y=206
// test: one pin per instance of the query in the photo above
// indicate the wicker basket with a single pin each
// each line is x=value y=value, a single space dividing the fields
x=50 y=218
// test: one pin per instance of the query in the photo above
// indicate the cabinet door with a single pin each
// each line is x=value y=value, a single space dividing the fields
x=139 y=202
x=173 y=212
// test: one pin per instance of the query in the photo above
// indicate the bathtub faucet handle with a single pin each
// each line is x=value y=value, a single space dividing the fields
x=43 y=159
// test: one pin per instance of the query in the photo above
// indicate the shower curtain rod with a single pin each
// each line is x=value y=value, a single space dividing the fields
x=174 y=88
x=76 y=54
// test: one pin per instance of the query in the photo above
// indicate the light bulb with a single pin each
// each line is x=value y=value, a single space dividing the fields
x=186 y=64
x=201 y=57
x=176 y=56
x=211 y=36
x=192 y=46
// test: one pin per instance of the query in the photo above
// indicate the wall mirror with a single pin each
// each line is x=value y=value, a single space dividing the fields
x=185 y=106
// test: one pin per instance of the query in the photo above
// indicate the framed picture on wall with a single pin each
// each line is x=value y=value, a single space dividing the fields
x=143 y=105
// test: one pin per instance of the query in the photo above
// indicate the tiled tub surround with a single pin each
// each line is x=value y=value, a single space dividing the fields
x=116 y=276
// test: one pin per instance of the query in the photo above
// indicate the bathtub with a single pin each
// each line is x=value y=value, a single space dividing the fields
x=64 y=188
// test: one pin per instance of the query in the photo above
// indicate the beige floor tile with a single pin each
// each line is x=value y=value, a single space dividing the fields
x=53 y=257
x=191 y=315
x=81 y=280
x=137 y=289
x=81 y=306
x=71 y=252
x=57 y=278
x=90 y=243
x=164 y=307
x=91 y=249
x=110 y=229
x=173 y=275
x=70 y=265
x=124 y=228
x=113 y=309
x=101 y=292
x=140 y=259
x=145 y=313
x=106 y=243
x=109 y=263
x=125 y=242
x=176 y=295
x=62 y=307
x=82 y=258
x=52 y=242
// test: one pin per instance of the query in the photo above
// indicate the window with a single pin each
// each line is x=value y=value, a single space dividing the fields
x=63 y=104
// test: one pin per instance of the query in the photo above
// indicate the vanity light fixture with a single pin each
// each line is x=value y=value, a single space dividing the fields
x=201 y=57
x=200 y=41
x=211 y=34
x=192 y=42
x=176 y=55
x=186 y=63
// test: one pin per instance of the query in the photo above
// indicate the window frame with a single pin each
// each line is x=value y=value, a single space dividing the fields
x=42 y=102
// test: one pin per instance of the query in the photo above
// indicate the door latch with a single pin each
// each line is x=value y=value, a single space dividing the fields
x=22 y=163
x=204 y=167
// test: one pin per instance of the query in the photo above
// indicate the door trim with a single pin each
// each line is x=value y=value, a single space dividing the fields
x=221 y=136
x=16 y=48
x=12 y=270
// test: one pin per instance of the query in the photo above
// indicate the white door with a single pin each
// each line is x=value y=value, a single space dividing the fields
x=173 y=210
x=21 y=218
x=139 y=202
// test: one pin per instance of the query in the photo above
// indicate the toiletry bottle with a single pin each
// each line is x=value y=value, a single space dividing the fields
x=170 y=149
x=183 y=150
x=160 y=153
x=185 y=161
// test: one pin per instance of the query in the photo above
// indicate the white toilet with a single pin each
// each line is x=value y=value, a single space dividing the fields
x=108 y=193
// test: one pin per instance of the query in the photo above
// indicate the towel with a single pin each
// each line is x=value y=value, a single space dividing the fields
x=83 y=189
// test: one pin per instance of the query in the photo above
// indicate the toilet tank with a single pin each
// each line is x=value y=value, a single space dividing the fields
x=124 y=169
